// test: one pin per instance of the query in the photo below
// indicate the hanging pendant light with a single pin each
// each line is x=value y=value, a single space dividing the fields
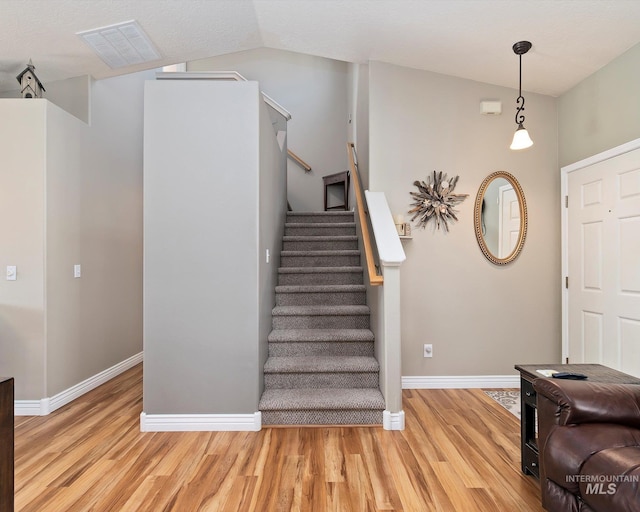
x=521 y=139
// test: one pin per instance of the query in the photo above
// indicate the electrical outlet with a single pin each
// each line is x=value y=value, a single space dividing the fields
x=428 y=350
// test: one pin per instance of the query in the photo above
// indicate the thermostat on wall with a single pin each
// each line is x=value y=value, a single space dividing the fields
x=491 y=108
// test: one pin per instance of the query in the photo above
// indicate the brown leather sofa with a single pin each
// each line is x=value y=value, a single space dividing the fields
x=589 y=446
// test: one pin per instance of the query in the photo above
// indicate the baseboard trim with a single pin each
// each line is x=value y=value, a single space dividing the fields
x=31 y=407
x=200 y=422
x=48 y=405
x=393 y=420
x=460 y=381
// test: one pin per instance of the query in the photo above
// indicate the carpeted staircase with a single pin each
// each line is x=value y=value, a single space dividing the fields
x=321 y=367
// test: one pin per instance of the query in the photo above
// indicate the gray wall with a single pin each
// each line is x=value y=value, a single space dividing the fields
x=481 y=318
x=72 y=95
x=601 y=112
x=271 y=219
x=359 y=117
x=94 y=218
x=204 y=193
x=315 y=91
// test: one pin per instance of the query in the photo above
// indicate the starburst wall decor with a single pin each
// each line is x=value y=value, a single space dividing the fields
x=435 y=200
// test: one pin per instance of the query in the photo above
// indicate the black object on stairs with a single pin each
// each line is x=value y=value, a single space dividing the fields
x=321 y=367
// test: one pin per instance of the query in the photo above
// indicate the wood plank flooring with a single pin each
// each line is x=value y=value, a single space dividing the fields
x=459 y=452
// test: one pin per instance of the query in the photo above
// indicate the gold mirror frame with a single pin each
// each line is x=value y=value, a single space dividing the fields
x=477 y=218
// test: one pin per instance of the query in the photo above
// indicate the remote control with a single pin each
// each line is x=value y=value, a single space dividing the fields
x=569 y=375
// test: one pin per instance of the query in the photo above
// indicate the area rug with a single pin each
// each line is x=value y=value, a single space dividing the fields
x=510 y=400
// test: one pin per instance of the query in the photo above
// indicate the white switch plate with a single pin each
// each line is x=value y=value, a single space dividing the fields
x=77 y=271
x=428 y=350
x=12 y=273
x=268 y=256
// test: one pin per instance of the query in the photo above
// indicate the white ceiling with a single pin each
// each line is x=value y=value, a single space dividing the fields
x=466 y=38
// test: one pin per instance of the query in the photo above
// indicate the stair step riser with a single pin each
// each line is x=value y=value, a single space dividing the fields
x=320 y=278
x=316 y=230
x=320 y=299
x=319 y=218
x=320 y=261
x=320 y=380
x=327 y=348
x=320 y=245
x=325 y=417
x=321 y=322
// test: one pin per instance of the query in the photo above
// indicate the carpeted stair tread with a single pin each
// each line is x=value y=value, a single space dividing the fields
x=320 y=335
x=323 y=214
x=320 y=310
x=313 y=238
x=319 y=225
x=320 y=288
x=318 y=270
x=321 y=364
x=337 y=252
x=321 y=367
x=322 y=399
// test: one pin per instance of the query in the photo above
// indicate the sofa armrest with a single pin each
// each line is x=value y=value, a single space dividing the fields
x=592 y=402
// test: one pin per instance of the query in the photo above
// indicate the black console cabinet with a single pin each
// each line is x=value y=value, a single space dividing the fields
x=6 y=444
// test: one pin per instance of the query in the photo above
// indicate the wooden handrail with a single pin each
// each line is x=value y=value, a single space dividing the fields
x=374 y=278
x=299 y=161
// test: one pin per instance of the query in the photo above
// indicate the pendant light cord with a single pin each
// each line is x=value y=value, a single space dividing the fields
x=520 y=100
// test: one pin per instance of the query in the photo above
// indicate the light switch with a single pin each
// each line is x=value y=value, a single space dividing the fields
x=12 y=273
x=77 y=272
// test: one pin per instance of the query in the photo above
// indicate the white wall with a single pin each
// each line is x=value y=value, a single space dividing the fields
x=72 y=95
x=201 y=263
x=76 y=200
x=315 y=91
x=481 y=318
x=22 y=228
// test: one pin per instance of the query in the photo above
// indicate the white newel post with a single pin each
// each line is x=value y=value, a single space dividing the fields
x=391 y=256
x=393 y=417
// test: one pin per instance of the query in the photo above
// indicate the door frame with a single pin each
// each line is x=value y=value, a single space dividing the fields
x=564 y=190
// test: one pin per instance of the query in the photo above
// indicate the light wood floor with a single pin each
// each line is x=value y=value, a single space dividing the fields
x=459 y=453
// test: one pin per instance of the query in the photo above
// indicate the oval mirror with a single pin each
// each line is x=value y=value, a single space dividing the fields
x=500 y=218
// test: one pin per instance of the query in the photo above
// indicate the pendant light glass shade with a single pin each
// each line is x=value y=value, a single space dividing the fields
x=521 y=139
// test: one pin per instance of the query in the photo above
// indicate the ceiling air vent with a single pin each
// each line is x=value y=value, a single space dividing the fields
x=121 y=45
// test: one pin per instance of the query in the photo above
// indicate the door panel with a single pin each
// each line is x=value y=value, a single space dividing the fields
x=592 y=256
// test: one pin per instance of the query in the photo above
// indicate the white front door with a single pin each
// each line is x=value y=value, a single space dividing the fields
x=603 y=258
